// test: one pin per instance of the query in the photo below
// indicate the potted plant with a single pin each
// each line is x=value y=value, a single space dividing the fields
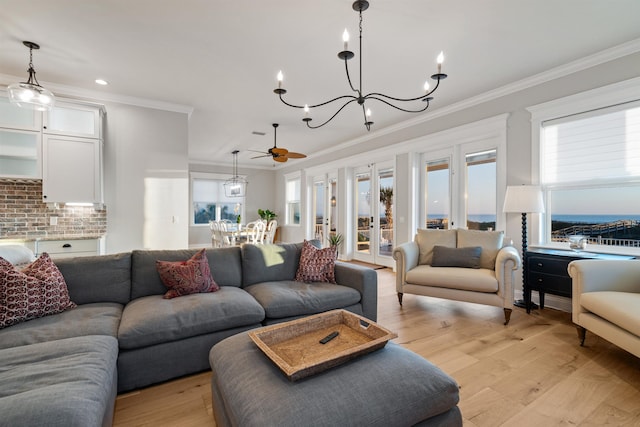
x=335 y=240
x=266 y=214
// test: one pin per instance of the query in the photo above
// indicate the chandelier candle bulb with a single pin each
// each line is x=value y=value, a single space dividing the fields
x=280 y=77
x=306 y=110
x=440 y=60
x=345 y=39
x=426 y=87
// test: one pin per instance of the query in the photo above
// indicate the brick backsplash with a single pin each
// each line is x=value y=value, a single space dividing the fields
x=23 y=214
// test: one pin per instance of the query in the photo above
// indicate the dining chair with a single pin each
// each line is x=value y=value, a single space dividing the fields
x=255 y=232
x=270 y=234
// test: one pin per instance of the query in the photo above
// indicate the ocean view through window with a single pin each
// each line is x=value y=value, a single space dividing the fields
x=590 y=174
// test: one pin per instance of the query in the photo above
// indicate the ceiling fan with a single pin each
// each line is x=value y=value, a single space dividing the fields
x=279 y=154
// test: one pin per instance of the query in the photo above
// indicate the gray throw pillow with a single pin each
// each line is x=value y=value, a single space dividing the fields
x=456 y=257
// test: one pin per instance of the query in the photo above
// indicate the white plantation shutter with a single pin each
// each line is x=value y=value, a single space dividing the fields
x=600 y=145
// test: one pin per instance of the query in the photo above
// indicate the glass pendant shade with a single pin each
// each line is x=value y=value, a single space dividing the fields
x=30 y=94
x=27 y=95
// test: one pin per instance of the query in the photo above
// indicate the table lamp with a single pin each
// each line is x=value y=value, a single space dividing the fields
x=524 y=199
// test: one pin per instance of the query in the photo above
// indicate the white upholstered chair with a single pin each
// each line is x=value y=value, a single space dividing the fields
x=462 y=265
x=606 y=301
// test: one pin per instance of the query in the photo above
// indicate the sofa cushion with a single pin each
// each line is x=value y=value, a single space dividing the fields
x=428 y=238
x=316 y=265
x=66 y=383
x=224 y=263
x=478 y=280
x=187 y=277
x=290 y=298
x=489 y=241
x=103 y=278
x=86 y=319
x=263 y=263
x=456 y=257
x=619 y=308
x=38 y=291
x=151 y=320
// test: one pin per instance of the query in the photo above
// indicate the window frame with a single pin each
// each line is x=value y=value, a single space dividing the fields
x=603 y=97
x=289 y=215
x=207 y=176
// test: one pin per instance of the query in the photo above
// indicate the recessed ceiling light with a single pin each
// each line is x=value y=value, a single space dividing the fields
x=102 y=82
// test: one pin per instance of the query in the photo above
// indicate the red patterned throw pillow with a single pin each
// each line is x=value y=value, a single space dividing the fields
x=187 y=277
x=38 y=290
x=316 y=265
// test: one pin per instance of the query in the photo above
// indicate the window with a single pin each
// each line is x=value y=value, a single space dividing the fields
x=438 y=190
x=590 y=172
x=481 y=190
x=293 y=201
x=209 y=202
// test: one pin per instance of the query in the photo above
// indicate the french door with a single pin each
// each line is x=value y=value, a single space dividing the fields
x=373 y=214
x=324 y=207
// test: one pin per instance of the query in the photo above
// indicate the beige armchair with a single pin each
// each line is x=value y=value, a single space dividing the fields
x=606 y=301
x=462 y=265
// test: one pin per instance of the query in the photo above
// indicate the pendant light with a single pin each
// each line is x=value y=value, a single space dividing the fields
x=235 y=186
x=30 y=94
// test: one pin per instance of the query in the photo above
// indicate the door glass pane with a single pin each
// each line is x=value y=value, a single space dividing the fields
x=363 y=212
x=318 y=201
x=385 y=185
x=481 y=190
x=438 y=192
x=333 y=204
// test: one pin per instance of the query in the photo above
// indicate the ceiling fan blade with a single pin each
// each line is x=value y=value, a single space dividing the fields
x=280 y=159
x=276 y=150
x=259 y=157
x=293 y=155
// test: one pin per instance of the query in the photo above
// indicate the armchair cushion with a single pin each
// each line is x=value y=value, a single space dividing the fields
x=456 y=257
x=619 y=308
x=428 y=238
x=489 y=241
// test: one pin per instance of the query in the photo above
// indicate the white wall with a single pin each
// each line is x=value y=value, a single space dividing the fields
x=261 y=192
x=145 y=178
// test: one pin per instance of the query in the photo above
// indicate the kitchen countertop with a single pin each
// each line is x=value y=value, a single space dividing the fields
x=19 y=239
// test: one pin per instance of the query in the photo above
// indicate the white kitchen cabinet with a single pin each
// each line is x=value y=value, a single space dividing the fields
x=72 y=170
x=20 y=154
x=20 y=141
x=14 y=117
x=73 y=120
x=68 y=248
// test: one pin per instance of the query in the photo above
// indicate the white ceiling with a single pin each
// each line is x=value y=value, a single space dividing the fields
x=221 y=57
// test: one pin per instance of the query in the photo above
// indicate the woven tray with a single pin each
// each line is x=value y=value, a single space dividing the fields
x=295 y=348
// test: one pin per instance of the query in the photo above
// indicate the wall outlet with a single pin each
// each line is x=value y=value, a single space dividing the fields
x=53 y=220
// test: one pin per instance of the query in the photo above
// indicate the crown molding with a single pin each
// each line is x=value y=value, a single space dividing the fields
x=602 y=57
x=100 y=97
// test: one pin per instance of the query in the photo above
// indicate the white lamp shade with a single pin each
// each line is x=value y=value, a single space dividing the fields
x=523 y=199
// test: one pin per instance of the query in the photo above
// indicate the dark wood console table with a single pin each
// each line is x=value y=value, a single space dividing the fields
x=547 y=271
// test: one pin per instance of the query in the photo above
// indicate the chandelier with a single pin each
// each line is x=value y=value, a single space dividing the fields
x=30 y=94
x=360 y=6
x=236 y=186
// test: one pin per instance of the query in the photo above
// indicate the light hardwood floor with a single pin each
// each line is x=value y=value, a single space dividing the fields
x=529 y=373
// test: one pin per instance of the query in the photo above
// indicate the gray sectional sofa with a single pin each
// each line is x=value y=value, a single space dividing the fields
x=66 y=369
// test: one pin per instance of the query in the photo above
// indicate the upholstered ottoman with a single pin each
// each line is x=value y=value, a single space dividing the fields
x=389 y=387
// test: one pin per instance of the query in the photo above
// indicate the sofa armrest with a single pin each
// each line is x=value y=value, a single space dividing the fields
x=602 y=275
x=365 y=281
x=508 y=261
x=406 y=256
